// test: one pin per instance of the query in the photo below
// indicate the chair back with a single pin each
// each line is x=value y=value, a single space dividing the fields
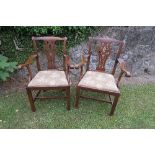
x=104 y=48
x=50 y=46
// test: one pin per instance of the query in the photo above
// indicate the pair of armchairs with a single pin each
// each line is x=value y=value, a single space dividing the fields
x=53 y=79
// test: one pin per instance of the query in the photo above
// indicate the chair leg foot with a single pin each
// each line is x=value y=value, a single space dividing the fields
x=68 y=98
x=77 y=97
x=114 y=105
x=31 y=101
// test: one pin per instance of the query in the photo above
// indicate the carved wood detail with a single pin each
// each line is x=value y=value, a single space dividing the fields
x=104 y=51
x=49 y=49
x=104 y=47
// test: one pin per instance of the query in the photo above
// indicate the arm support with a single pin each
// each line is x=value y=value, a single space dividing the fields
x=27 y=64
x=124 y=71
x=69 y=66
x=80 y=66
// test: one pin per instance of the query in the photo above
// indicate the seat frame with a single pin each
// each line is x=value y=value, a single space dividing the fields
x=49 y=50
x=104 y=51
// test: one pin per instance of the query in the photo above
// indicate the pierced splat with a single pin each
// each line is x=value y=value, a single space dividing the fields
x=49 y=45
x=49 y=49
x=104 y=51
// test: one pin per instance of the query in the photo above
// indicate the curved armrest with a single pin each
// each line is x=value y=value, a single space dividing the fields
x=28 y=62
x=69 y=66
x=80 y=65
x=122 y=66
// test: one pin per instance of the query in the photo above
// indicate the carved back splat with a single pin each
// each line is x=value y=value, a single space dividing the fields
x=104 y=50
x=49 y=48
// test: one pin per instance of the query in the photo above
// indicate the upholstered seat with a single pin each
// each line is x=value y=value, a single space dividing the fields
x=99 y=80
x=49 y=78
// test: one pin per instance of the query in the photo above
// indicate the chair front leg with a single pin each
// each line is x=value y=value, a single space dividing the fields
x=114 y=104
x=77 y=97
x=31 y=101
x=68 y=98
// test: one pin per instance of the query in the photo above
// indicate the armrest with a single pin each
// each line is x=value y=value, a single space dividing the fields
x=29 y=61
x=80 y=65
x=27 y=64
x=69 y=66
x=122 y=66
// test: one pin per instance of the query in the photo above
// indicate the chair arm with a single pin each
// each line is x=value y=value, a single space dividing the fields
x=69 y=66
x=80 y=65
x=122 y=66
x=67 y=60
x=28 y=62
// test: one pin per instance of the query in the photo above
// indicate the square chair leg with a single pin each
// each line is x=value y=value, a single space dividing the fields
x=31 y=101
x=77 y=97
x=114 y=105
x=68 y=98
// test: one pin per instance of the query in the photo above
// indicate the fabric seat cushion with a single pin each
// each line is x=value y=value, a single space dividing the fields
x=99 y=80
x=49 y=78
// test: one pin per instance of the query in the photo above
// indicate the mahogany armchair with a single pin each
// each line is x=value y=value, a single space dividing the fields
x=50 y=79
x=99 y=80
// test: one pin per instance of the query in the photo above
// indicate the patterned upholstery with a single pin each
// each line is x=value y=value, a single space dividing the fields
x=49 y=78
x=99 y=81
